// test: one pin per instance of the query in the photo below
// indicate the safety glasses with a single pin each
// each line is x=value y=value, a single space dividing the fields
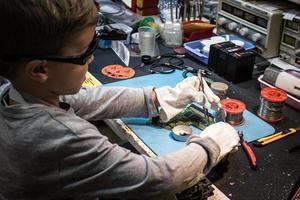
x=78 y=59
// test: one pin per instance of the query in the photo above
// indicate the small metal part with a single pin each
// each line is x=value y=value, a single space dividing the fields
x=194 y=11
x=181 y=132
x=184 y=10
x=176 y=10
x=188 y=11
x=171 y=10
x=200 y=75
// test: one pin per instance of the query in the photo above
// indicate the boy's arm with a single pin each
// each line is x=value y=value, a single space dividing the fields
x=113 y=102
x=92 y=166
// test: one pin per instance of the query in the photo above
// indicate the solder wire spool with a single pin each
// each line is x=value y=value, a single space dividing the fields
x=234 y=111
x=271 y=106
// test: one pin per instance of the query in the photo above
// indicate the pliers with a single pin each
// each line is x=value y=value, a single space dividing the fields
x=248 y=150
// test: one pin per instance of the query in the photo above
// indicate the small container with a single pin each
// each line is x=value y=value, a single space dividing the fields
x=172 y=34
x=181 y=133
x=220 y=89
x=147 y=41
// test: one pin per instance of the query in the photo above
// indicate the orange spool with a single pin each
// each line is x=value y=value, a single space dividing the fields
x=118 y=71
x=272 y=102
x=234 y=111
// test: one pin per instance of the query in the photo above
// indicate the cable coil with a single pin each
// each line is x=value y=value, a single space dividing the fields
x=271 y=106
x=234 y=111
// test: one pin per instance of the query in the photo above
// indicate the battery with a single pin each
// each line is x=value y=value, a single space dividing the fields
x=214 y=53
x=232 y=62
x=240 y=66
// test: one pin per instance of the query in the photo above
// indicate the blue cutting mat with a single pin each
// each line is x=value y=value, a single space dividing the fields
x=158 y=139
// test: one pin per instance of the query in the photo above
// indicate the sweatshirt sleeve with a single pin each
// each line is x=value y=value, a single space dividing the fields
x=112 y=102
x=91 y=166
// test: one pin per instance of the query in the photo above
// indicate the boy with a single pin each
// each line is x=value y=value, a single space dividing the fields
x=47 y=148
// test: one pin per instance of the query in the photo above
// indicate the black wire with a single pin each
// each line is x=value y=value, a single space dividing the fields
x=176 y=61
x=165 y=69
x=157 y=65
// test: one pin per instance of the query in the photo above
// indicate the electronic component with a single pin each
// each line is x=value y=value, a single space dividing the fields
x=193 y=115
x=290 y=40
x=257 y=21
x=231 y=62
x=288 y=80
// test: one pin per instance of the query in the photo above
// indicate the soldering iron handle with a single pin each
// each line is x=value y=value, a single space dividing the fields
x=250 y=154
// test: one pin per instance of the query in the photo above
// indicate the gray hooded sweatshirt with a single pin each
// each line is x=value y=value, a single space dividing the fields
x=48 y=152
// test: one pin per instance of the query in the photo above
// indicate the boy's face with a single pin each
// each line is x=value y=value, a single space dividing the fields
x=67 y=78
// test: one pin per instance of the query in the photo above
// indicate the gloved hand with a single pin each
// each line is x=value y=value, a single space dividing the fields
x=173 y=100
x=224 y=135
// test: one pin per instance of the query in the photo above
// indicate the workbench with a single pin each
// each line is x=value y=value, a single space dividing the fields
x=278 y=169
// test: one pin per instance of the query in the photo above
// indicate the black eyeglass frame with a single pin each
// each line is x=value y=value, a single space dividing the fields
x=78 y=59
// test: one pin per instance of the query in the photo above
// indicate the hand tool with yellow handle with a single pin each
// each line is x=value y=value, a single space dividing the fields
x=277 y=136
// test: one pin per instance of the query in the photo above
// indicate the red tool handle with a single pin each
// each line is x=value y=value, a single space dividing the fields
x=250 y=154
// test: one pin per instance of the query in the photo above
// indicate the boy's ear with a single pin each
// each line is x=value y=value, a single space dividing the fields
x=37 y=70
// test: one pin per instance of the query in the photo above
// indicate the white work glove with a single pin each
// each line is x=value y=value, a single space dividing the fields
x=224 y=135
x=173 y=100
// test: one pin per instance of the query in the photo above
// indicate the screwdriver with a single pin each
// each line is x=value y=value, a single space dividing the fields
x=248 y=150
x=277 y=136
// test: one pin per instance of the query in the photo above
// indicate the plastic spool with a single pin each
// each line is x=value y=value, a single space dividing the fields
x=234 y=111
x=271 y=106
x=118 y=71
x=181 y=132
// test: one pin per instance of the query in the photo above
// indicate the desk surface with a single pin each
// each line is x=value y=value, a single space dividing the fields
x=278 y=169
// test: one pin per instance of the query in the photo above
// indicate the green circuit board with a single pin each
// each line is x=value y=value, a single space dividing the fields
x=192 y=115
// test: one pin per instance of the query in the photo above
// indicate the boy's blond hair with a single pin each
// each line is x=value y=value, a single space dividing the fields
x=39 y=27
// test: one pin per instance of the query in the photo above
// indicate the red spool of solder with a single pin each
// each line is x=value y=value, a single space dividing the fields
x=272 y=102
x=234 y=111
